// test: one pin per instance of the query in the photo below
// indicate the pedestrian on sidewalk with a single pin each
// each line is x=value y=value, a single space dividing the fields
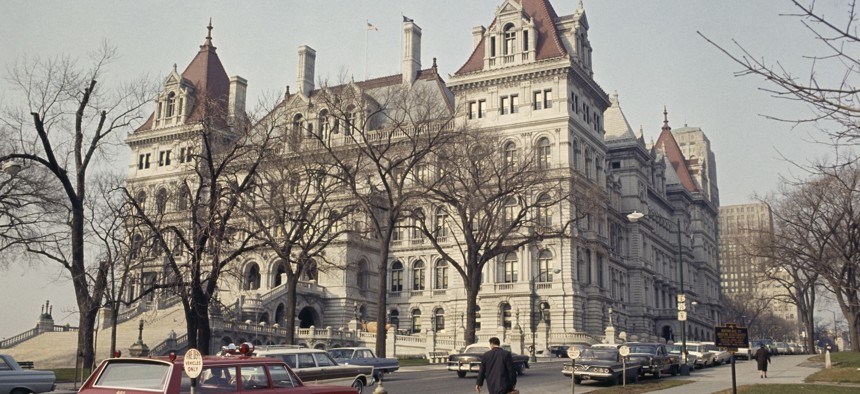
x=497 y=367
x=762 y=358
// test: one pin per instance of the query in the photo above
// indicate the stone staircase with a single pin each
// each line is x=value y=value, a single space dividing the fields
x=57 y=349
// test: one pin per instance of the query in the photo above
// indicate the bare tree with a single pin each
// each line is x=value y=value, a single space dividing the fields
x=747 y=308
x=64 y=131
x=483 y=201
x=378 y=136
x=198 y=240
x=829 y=85
x=297 y=211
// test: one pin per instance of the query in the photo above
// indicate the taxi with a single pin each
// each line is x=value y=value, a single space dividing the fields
x=228 y=373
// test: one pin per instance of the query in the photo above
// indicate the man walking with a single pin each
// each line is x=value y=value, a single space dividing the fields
x=762 y=358
x=497 y=367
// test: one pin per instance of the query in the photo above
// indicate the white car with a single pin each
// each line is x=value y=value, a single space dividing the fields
x=721 y=355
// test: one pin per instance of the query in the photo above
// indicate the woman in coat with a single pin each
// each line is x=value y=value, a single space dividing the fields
x=762 y=358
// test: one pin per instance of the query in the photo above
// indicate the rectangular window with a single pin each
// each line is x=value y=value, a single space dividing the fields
x=182 y=155
x=167 y=157
x=140 y=162
x=146 y=161
x=525 y=40
x=575 y=103
x=482 y=108
x=504 y=103
x=537 y=100
x=160 y=158
x=472 y=109
x=596 y=123
x=547 y=98
x=515 y=102
x=492 y=46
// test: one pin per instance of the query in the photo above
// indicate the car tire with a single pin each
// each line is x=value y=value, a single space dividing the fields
x=358 y=385
x=675 y=370
x=577 y=380
x=461 y=374
x=636 y=377
x=619 y=380
x=21 y=391
x=521 y=369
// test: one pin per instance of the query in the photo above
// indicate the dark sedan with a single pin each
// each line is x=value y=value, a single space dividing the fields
x=604 y=365
x=470 y=360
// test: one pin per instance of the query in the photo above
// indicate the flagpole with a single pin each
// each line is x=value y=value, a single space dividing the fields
x=366 y=29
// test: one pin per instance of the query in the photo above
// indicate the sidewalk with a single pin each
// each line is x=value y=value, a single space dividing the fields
x=782 y=370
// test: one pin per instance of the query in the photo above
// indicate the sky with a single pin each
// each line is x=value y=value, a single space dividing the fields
x=648 y=52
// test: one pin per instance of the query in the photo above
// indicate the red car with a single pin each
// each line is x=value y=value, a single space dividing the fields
x=220 y=374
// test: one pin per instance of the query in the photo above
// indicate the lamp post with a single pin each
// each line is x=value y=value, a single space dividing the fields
x=537 y=315
x=634 y=217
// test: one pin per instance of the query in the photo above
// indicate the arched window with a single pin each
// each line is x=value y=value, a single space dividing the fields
x=351 y=118
x=160 y=201
x=505 y=313
x=418 y=274
x=280 y=270
x=136 y=244
x=510 y=156
x=178 y=246
x=363 y=276
x=416 y=321
x=441 y=222
x=544 y=153
x=298 y=124
x=441 y=274
x=439 y=315
x=252 y=277
x=322 y=120
x=544 y=213
x=397 y=276
x=140 y=198
x=510 y=39
x=577 y=153
x=171 y=104
x=589 y=159
x=544 y=266
x=510 y=271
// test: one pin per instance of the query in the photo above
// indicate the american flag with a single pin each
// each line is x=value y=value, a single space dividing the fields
x=370 y=26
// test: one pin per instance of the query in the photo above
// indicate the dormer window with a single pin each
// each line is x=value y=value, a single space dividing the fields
x=171 y=104
x=510 y=39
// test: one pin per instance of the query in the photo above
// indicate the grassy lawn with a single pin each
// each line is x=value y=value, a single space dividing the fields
x=67 y=375
x=846 y=368
x=643 y=387
x=790 y=388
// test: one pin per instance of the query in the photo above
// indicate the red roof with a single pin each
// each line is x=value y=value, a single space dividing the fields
x=667 y=143
x=548 y=42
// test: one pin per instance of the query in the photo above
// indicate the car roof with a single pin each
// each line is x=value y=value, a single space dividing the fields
x=209 y=361
x=287 y=351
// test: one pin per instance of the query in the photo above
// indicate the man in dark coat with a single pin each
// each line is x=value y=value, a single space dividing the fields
x=497 y=367
x=762 y=358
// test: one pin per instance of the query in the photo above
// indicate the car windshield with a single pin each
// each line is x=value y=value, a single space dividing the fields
x=643 y=349
x=600 y=354
x=340 y=353
x=478 y=349
x=138 y=375
x=674 y=348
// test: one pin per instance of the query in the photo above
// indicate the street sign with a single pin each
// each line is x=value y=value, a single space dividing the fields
x=682 y=298
x=193 y=363
x=682 y=306
x=573 y=352
x=731 y=336
x=682 y=315
x=624 y=351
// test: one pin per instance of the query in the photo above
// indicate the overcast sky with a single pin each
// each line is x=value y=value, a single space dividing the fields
x=646 y=51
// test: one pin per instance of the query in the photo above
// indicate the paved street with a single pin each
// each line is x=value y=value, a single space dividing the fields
x=545 y=377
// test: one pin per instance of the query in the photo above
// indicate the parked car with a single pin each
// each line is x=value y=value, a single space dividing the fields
x=230 y=373
x=692 y=359
x=470 y=360
x=17 y=380
x=755 y=344
x=654 y=358
x=604 y=365
x=744 y=353
x=561 y=350
x=782 y=348
x=704 y=357
x=364 y=356
x=315 y=366
x=721 y=356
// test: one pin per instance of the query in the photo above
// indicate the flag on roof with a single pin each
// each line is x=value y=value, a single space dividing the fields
x=407 y=19
x=370 y=26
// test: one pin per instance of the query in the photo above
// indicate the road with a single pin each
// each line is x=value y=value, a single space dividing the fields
x=545 y=377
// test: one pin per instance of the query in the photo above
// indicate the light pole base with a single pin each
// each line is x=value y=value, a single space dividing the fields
x=685 y=370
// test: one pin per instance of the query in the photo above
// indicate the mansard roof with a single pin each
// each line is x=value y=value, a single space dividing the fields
x=549 y=44
x=667 y=143
x=211 y=84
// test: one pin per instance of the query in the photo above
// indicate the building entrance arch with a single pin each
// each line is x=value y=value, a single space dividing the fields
x=308 y=317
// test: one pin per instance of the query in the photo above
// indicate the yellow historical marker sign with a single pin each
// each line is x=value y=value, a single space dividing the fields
x=731 y=337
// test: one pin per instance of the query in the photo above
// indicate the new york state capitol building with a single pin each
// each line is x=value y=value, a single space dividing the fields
x=530 y=79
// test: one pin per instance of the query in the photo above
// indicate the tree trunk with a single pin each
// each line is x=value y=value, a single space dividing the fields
x=382 y=294
x=86 y=323
x=290 y=315
x=471 y=304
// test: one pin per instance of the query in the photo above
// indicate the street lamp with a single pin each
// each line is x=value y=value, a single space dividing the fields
x=634 y=217
x=11 y=167
x=537 y=315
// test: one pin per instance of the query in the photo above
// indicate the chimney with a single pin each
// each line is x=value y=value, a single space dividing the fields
x=477 y=35
x=411 y=52
x=238 y=87
x=305 y=81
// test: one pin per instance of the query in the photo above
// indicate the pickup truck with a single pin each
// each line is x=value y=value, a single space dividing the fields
x=364 y=356
x=16 y=380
